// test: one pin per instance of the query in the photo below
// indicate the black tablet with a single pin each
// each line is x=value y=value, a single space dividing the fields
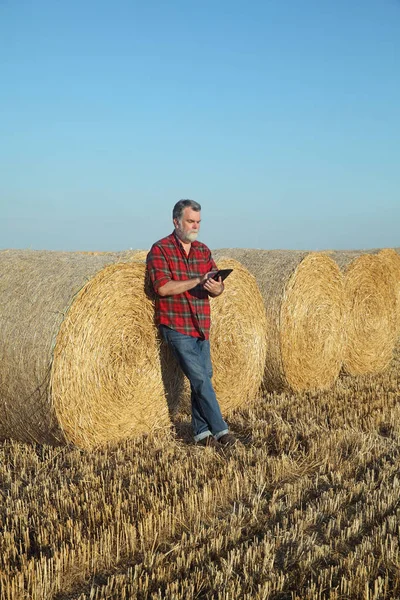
x=223 y=273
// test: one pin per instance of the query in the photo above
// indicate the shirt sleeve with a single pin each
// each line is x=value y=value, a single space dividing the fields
x=157 y=267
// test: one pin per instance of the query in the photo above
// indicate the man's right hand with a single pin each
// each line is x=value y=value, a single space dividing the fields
x=207 y=276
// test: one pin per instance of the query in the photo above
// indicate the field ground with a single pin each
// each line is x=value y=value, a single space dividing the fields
x=308 y=507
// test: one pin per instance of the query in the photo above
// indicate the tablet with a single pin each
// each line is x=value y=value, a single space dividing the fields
x=223 y=273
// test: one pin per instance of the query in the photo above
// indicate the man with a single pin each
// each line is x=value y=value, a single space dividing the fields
x=181 y=270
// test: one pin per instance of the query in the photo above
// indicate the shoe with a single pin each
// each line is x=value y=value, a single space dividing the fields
x=227 y=440
x=208 y=442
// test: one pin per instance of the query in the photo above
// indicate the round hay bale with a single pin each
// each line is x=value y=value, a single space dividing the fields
x=79 y=350
x=238 y=339
x=392 y=259
x=304 y=301
x=371 y=311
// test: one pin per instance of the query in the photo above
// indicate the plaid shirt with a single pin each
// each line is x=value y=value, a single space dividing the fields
x=189 y=312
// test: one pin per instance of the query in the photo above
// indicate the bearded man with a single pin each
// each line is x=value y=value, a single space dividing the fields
x=181 y=270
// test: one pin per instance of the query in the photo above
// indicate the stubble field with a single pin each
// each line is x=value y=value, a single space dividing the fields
x=307 y=507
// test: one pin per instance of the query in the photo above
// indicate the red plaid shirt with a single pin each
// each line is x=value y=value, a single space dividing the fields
x=189 y=312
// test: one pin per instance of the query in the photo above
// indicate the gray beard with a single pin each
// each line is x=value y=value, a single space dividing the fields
x=186 y=238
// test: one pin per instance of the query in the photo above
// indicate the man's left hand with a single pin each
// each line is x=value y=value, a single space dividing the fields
x=214 y=288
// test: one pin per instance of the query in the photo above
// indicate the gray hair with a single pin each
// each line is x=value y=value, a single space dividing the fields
x=181 y=205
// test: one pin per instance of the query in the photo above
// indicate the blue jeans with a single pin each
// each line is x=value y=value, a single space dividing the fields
x=193 y=355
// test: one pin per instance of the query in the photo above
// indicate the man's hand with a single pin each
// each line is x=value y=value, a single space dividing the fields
x=214 y=288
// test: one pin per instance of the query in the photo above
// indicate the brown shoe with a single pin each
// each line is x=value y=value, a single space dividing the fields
x=228 y=440
x=208 y=442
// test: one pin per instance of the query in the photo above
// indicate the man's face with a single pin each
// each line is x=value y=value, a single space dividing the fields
x=187 y=229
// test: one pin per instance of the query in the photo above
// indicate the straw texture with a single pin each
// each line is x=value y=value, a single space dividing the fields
x=136 y=254
x=124 y=255
x=237 y=337
x=392 y=259
x=304 y=301
x=93 y=252
x=95 y=318
x=371 y=311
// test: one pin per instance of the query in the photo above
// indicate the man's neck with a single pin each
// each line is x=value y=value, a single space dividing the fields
x=186 y=245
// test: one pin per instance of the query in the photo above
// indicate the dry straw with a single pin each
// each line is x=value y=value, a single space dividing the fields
x=237 y=337
x=124 y=255
x=304 y=302
x=96 y=319
x=93 y=252
x=371 y=311
x=136 y=254
x=392 y=259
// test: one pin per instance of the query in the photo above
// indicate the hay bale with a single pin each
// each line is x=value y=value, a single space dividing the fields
x=304 y=302
x=371 y=311
x=392 y=259
x=79 y=350
x=237 y=338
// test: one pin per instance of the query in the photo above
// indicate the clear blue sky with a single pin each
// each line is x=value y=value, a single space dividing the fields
x=281 y=118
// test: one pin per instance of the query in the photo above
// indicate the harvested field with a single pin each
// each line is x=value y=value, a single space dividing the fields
x=307 y=508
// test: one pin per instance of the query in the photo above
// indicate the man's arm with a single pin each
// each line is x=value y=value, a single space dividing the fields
x=178 y=287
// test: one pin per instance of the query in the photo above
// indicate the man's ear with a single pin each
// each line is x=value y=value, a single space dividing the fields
x=176 y=223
